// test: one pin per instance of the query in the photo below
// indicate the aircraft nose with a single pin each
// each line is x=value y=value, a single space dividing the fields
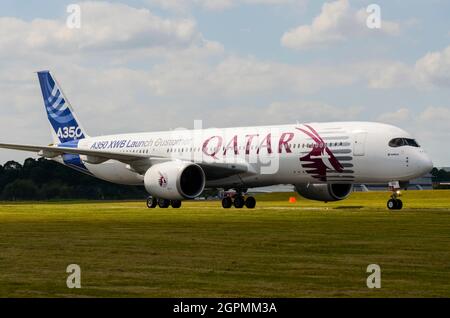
x=425 y=164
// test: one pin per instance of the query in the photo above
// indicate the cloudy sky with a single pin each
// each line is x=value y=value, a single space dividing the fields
x=148 y=65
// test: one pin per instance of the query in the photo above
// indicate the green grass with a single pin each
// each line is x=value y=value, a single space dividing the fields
x=277 y=250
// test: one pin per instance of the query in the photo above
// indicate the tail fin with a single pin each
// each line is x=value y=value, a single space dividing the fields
x=64 y=123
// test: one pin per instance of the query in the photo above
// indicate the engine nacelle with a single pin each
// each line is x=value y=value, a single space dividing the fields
x=175 y=180
x=324 y=192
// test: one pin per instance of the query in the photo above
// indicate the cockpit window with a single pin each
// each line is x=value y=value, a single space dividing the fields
x=412 y=143
x=398 y=142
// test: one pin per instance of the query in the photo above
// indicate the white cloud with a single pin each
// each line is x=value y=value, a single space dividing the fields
x=217 y=5
x=386 y=74
x=242 y=76
x=311 y=111
x=434 y=68
x=104 y=26
x=436 y=115
x=277 y=112
x=398 y=116
x=337 y=22
x=430 y=71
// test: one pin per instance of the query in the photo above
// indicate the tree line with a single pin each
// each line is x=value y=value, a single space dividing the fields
x=440 y=178
x=41 y=179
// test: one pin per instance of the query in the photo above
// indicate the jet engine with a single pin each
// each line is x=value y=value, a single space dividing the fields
x=175 y=180
x=324 y=192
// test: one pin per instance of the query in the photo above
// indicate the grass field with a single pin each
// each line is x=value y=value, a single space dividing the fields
x=280 y=249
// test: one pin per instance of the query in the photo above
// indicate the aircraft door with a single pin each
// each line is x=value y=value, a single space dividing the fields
x=359 y=143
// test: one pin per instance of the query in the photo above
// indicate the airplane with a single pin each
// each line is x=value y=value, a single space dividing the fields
x=322 y=160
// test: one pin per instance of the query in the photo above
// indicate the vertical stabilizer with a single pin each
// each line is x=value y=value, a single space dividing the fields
x=64 y=123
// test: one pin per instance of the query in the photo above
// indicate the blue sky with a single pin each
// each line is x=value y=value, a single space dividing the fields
x=152 y=65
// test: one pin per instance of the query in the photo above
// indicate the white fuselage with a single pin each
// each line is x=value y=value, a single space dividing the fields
x=338 y=152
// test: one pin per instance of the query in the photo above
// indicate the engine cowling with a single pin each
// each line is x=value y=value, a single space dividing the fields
x=324 y=192
x=175 y=180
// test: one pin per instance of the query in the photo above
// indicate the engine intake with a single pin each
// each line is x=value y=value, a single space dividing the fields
x=175 y=180
x=324 y=192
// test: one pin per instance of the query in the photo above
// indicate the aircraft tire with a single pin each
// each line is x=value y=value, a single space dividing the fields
x=395 y=204
x=250 y=202
x=152 y=202
x=238 y=202
x=391 y=205
x=176 y=204
x=163 y=203
x=227 y=203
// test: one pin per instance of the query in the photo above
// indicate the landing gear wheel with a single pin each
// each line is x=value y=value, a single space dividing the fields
x=395 y=204
x=238 y=202
x=227 y=203
x=250 y=202
x=152 y=202
x=163 y=203
x=175 y=204
x=391 y=204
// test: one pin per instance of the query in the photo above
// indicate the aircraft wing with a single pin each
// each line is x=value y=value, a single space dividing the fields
x=137 y=162
x=52 y=151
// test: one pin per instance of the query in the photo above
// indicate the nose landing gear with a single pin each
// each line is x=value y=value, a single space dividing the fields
x=394 y=203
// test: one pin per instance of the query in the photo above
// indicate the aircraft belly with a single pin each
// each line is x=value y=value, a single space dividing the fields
x=116 y=172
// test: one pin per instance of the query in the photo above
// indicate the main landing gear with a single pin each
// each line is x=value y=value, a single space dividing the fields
x=394 y=203
x=162 y=203
x=239 y=201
